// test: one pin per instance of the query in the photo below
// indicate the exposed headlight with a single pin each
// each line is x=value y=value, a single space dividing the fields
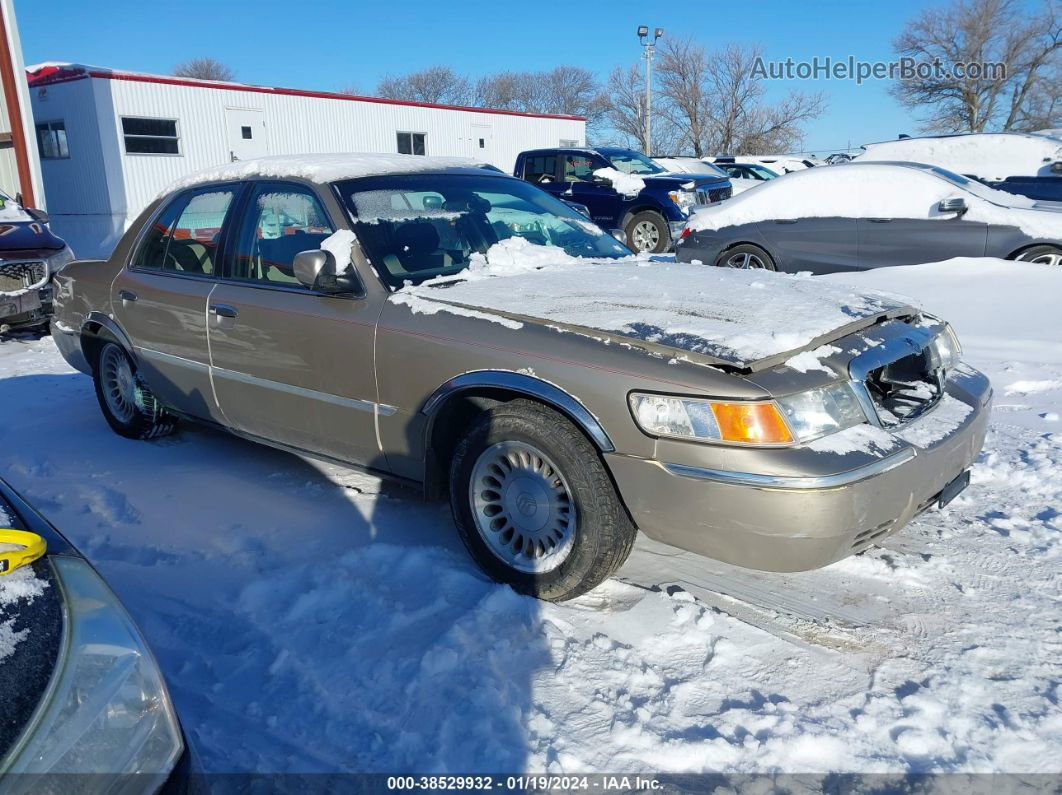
x=106 y=710
x=818 y=412
x=684 y=199
x=796 y=418
x=60 y=259
x=740 y=422
x=945 y=350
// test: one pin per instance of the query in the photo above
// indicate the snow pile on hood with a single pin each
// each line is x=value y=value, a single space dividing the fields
x=627 y=184
x=993 y=156
x=854 y=190
x=323 y=168
x=733 y=315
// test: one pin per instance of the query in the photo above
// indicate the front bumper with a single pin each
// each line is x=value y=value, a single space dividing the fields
x=28 y=308
x=797 y=523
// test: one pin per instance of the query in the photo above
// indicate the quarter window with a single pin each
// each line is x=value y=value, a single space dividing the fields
x=150 y=136
x=51 y=140
x=281 y=221
x=411 y=143
x=184 y=237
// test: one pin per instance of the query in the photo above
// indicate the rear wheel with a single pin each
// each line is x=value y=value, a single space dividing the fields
x=128 y=405
x=1047 y=255
x=747 y=257
x=647 y=232
x=534 y=505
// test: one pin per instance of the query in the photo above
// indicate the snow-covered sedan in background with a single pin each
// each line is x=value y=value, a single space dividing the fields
x=442 y=323
x=744 y=176
x=30 y=255
x=80 y=692
x=860 y=215
x=780 y=164
x=681 y=164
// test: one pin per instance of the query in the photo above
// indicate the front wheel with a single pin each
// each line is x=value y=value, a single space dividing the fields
x=127 y=404
x=1046 y=255
x=648 y=233
x=747 y=257
x=534 y=505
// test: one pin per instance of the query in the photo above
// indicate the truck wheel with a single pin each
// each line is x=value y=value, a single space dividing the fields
x=1048 y=255
x=534 y=505
x=127 y=404
x=746 y=256
x=647 y=232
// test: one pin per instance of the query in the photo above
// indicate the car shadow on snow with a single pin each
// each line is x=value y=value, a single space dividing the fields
x=307 y=618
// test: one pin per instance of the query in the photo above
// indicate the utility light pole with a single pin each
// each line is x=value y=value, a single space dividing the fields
x=649 y=46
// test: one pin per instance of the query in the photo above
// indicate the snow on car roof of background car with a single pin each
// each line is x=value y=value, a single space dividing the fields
x=876 y=190
x=323 y=168
x=11 y=211
x=993 y=156
x=732 y=315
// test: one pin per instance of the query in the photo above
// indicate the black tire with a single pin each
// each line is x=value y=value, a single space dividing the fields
x=603 y=532
x=145 y=418
x=1048 y=254
x=754 y=257
x=635 y=242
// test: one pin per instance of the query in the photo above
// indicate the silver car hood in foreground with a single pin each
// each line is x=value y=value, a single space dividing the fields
x=743 y=319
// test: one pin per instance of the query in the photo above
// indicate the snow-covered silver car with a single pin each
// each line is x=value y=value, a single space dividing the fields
x=465 y=331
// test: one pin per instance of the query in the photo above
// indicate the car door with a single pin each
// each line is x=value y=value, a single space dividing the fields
x=819 y=245
x=289 y=364
x=602 y=200
x=160 y=297
x=910 y=241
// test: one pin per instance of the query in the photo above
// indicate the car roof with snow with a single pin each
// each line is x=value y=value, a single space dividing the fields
x=327 y=168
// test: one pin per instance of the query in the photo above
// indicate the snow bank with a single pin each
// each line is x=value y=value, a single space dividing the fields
x=853 y=190
x=993 y=156
x=734 y=315
x=627 y=184
x=322 y=168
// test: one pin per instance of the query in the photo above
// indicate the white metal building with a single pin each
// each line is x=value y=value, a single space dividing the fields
x=110 y=141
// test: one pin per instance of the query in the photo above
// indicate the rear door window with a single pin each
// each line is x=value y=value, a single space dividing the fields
x=184 y=237
x=540 y=168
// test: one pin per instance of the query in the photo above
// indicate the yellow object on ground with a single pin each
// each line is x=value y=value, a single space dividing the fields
x=33 y=547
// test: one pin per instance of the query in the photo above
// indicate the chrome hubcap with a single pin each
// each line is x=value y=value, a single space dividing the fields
x=522 y=507
x=645 y=236
x=119 y=386
x=745 y=260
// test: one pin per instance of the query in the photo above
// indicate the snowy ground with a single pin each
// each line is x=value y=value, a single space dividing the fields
x=309 y=618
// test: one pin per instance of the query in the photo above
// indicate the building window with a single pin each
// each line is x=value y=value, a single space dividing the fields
x=150 y=136
x=410 y=143
x=51 y=140
x=245 y=133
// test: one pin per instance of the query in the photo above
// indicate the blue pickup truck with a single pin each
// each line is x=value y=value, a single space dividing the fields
x=623 y=189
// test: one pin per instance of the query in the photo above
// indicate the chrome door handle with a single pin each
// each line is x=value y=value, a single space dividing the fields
x=880 y=220
x=785 y=220
x=223 y=310
x=127 y=295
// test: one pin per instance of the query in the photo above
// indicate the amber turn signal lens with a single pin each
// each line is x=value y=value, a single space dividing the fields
x=751 y=423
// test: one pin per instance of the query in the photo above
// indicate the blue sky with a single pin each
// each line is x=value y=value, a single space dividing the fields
x=329 y=44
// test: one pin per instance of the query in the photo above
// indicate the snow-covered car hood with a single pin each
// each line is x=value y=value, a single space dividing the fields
x=744 y=319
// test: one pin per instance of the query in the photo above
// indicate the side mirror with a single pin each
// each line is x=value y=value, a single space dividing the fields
x=603 y=181
x=619 y=234
x=316 y=269
x=955 y=205
x=37 y=215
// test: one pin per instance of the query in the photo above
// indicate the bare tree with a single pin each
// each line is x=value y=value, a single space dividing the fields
x=717 y=105
x=978 y=32
x=625 y=114
x=437 y=84
x=205 y=68
x=569 y=90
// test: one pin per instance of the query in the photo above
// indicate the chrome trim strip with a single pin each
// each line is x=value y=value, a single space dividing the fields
x=313 y=394
x=169 y=358
x=535 y=387
x=785 y=482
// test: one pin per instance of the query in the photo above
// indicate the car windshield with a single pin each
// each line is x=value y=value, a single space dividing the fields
x=762 y=171
x=415 y=227
x=631 y=162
